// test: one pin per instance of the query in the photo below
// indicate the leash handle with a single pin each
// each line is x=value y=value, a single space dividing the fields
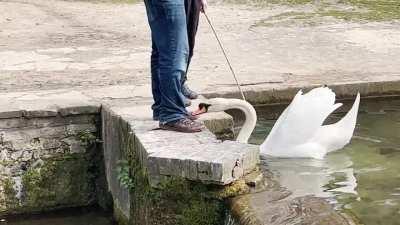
x=225 y=55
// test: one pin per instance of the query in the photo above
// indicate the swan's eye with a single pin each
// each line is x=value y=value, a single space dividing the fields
x=204 y=106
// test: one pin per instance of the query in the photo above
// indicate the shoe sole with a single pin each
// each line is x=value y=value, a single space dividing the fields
x=179 y=130
x=187 y=104
x=192 y=97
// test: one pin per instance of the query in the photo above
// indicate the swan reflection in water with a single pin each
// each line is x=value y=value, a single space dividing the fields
x=322 y=178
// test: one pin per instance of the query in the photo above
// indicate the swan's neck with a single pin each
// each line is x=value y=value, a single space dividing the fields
x=250 y=119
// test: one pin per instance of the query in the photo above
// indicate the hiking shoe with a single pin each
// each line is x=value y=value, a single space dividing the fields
x=184 y=125
x=187 y=101
x=188 y=93
x=191 y=117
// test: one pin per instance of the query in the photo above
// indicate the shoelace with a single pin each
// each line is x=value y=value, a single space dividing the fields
x=187 y=122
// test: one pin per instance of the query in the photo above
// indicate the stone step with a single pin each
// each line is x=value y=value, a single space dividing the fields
x=195 y=156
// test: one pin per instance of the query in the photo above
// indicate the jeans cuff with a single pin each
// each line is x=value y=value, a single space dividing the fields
x=172 y=119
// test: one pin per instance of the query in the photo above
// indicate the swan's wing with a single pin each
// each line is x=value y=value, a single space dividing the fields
x=282 y=117
x=336 y=136
x=301 y=119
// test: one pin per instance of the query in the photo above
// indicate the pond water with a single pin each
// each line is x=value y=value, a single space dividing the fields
x=363 y=178
x=81 y=216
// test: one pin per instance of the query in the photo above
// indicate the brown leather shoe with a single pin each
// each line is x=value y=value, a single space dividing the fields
x=190 y=116
x=184 y=125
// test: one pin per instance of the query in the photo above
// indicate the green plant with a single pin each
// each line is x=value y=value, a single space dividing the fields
x=87 y=137
x=124 y=176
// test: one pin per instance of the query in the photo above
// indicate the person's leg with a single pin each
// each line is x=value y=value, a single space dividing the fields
x=154 y=62
x=192 y=8
x=155 y=81
x=170 y=37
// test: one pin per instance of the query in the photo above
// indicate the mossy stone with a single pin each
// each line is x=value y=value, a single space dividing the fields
x=62 y=181
x=9 y=200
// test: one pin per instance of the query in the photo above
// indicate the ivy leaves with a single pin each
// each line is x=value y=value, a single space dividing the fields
x=123 y=176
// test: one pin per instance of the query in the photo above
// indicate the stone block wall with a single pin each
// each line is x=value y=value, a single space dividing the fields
x=47 y=162
x=48 y=151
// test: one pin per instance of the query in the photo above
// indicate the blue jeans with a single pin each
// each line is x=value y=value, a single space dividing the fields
x=170 y=51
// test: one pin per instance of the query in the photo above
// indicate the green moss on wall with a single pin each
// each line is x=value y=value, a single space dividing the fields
x=9 y=200
x=238 y=187
x=60 y=181
x=186 y=203
x=120 y=217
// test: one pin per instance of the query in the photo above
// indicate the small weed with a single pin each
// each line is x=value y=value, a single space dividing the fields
x=124 y=176
x=87 y=137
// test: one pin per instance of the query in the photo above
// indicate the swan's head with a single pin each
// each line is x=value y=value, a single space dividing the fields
x=222 y=104
x=215 y=105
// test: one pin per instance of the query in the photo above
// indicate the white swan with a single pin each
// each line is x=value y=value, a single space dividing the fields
x=299 y=131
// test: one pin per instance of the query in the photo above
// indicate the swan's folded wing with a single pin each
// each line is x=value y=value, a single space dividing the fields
x=336 y=136
x=301 y=119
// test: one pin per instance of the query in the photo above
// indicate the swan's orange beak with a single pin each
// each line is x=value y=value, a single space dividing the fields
x=199 y=111
x=203 y=108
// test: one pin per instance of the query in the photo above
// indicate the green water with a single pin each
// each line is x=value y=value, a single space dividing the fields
x=65 y=217
x=362 y=179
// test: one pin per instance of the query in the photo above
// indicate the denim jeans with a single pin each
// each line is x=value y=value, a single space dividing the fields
x=169 y=56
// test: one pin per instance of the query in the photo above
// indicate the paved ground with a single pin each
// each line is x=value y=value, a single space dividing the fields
x=52 y=44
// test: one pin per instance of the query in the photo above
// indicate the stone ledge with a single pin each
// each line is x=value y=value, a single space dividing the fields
x=41 y=122
x=46 y=104
x=284 y=94
x=196 y=156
